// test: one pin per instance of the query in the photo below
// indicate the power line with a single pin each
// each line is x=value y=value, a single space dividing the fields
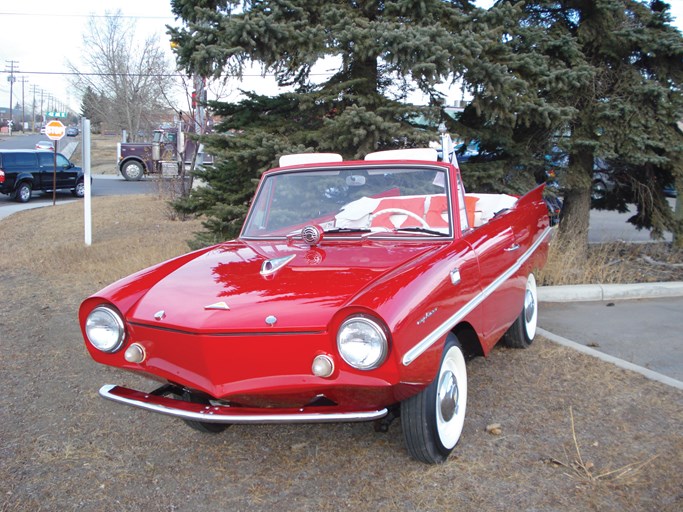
x=78 y=15
x=164 y=75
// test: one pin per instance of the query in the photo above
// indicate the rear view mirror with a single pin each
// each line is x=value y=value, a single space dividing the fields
x=355 y=180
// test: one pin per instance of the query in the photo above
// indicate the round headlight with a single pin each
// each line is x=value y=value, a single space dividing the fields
x=362 y=343
x=105 y=330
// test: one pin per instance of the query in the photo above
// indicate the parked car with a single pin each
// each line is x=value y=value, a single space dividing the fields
x=25 y=170
x=670 y=190
x=45 y=145
x=72 y=131
x=356 y=291
x=612 y=182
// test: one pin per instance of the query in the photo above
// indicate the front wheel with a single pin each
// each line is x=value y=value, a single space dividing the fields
x=432 y=421
x=132 y=171
x=79 y=191
x=201 y=426
x=522 y=332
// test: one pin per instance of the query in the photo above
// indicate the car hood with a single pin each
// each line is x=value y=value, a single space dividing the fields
x=225 y=290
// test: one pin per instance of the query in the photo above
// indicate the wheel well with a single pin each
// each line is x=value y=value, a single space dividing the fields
x=132 y=159
x=469 y=340
x=23 y=179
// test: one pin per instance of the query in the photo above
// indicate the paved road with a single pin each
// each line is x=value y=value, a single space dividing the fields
x=102 y=185
x=645 y=332
x=607 y=226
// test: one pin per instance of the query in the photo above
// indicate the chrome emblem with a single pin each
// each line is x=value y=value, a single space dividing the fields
x=273 y=265
x=160 y=315
x=218 y=305
x=426 y=316
x=270 y=320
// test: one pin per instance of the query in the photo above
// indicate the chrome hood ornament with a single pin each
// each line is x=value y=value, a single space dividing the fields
x=275 y=264
x=221 y=306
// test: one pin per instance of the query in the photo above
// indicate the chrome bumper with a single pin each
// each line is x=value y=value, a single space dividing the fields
x=225 y=414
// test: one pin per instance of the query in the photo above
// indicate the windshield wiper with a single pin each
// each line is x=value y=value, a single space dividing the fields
x=418 y=229
x=347 y=230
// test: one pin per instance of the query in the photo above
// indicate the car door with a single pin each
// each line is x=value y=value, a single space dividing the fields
x=65 y=174
x=498 y=251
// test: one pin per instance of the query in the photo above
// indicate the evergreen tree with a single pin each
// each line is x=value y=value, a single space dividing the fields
x=379 y=48
x=586 y=78
x=593 y=78
x=90 y=108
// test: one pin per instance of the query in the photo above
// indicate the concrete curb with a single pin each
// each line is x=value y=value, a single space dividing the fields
x=611 y=359
x=601 y=292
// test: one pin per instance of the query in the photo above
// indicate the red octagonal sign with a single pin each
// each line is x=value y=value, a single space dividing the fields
x=55 y=129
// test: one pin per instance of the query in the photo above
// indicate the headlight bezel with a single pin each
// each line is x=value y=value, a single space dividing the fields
x=346 y=349
x=115 y=323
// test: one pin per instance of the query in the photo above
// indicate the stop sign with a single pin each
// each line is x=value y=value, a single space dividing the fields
x=55 y=129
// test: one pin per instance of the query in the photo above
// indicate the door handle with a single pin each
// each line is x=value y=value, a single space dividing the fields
x=455 y=276
x=513 y=247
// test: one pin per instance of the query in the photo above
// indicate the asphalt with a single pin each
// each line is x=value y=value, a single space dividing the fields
x=638 y=327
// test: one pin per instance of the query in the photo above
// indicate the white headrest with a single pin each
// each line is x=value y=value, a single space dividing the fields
x=428 y=154
x=309 y=158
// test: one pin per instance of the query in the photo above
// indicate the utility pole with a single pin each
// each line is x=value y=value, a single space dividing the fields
x=42 y=110
x=33 y=114
x=11 y=79
x=24 y=79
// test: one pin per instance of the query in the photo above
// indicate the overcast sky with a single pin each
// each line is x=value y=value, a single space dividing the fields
x=40 y=35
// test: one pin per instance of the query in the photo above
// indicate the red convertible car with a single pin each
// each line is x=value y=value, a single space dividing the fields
x=356 y=291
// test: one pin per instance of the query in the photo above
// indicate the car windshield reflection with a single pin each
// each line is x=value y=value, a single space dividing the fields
x=354 y=202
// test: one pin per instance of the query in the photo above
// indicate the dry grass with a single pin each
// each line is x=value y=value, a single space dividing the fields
x=610 y=263
x=102 y=154
x=129 y=233
x=62 y=448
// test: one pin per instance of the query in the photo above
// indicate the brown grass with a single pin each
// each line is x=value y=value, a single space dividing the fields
x=102 y=154
x=559 y=413
x=612 y=263
x=128 y=233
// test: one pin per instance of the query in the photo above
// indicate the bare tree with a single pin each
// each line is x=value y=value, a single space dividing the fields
x=129 y=78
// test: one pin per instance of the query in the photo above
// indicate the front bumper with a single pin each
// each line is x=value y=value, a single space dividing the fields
x=237 y=415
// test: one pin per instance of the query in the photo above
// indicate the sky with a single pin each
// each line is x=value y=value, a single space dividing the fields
x=37 y=37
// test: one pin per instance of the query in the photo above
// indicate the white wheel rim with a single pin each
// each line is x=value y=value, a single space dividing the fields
x=530 y=307
x=133 y=170
x=451 y=398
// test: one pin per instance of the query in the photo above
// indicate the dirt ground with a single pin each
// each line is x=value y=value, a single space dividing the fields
x=575 y=433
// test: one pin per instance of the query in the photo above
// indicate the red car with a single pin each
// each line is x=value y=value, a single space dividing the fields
x=356 y=291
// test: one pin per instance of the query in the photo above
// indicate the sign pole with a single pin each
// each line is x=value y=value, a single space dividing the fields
x=55 y=131
x=54 y=172
x=87 y=208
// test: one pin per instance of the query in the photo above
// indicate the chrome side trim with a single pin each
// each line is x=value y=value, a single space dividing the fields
x=217 y=414
x=445 y=327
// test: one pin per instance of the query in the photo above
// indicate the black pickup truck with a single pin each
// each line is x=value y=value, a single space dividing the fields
x=25 y=170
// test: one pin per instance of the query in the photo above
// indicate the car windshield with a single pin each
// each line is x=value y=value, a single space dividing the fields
x=353 y=201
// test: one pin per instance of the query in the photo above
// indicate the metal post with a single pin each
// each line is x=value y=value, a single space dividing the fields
x=54 y=172
x=85 y=158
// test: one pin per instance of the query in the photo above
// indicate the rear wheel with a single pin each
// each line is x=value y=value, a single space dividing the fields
x=432 y=420
x=23 y=192
x=201 y=426
x=132 y=171
x=522 y=332
x=598 y=191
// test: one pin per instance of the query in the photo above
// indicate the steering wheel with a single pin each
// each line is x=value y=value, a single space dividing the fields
x=400 y=211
